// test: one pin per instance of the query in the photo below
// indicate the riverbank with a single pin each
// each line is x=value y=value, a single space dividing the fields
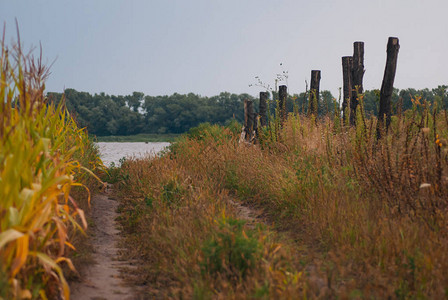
x=313 y=212
x=143 y=137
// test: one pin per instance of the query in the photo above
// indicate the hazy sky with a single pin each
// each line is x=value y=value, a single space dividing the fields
x=210 y=46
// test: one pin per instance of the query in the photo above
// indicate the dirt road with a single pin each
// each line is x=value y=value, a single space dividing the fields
x=102 y=279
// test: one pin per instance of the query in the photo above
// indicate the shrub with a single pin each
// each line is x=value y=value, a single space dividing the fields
x=231 y=251
x=172 y=192
x=206 y=131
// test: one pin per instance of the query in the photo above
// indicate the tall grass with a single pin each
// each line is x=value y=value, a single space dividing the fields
x=192 y=241
x=40 y=151
x=355 y=217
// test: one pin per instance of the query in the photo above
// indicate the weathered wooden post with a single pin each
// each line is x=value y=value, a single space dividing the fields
x=255 y=127
x=314 y=92
x=248 y=118
x=263 y=108
x=347 y=62
x=357 y=76
x=387 y=86
x=282 y=94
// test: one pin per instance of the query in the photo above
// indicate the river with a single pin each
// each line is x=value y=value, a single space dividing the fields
x=113 y=152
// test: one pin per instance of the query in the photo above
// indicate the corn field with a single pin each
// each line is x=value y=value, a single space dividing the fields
x=39 y=147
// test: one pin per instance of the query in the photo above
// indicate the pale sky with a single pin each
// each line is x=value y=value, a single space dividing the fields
x=210 y=46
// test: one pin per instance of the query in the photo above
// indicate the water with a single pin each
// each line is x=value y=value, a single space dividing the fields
x=113 y=152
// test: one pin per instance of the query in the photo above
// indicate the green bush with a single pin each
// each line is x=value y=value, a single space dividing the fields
x=235 y=127
x=115 y=173
x=205 y=131
x=172 y=193
x=231 y=251
x=205 y=134
x=199 y=132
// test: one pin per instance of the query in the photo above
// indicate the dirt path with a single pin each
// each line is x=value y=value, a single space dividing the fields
x=246 y=213
x=317 y=280
x=102 y=280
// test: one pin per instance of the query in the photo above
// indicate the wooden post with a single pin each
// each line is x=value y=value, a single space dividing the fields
x=357 y=76
x=263 y=108
x=314 y=92
x=282 y=94
x=255 y=127
x=387 y=86
x=248 y=118
x=347 y=62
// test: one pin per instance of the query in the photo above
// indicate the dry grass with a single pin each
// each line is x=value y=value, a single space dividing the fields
x=177 y=224
x=354 y=217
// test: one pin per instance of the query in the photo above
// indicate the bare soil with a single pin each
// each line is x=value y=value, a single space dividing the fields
x=102 y=279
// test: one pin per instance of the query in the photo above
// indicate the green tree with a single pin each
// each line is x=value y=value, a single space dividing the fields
x=134 y=101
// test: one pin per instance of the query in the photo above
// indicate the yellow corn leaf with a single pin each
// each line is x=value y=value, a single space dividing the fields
x=91 y=173
x=69 y=263
x=38 y=220
x=21 y=254
x=86 y=188
x=46 y=260
x=13 y=216
x=82 y=216
x=62 y=234
x=75 y=224
x=70 y=245
x=43 y=295
x=8 y=236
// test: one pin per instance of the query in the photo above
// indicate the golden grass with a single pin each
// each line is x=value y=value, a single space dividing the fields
x=354 y=217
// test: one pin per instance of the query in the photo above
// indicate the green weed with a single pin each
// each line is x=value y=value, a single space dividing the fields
x=172 y=193
x=231 y=251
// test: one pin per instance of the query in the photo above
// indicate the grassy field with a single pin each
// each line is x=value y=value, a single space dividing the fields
x=338 y=214
x=143 y=137
x=316 y=209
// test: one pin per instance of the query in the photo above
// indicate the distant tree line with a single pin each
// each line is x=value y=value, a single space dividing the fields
x=104 y=114
x=402 y=98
